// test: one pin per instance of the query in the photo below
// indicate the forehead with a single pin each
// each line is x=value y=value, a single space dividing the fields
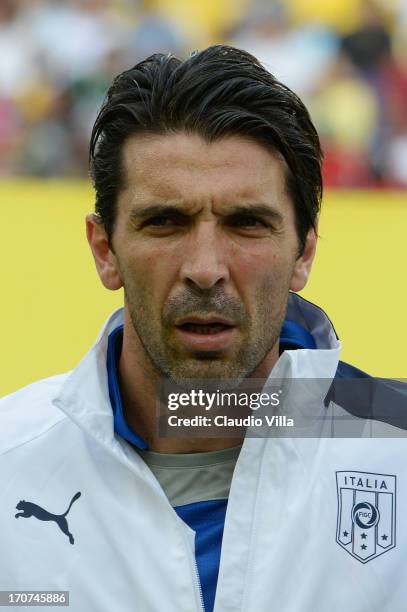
x=186 y=167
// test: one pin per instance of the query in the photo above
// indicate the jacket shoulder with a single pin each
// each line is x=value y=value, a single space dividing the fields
x=346 y=370
x=29 y=412
x=368 y=397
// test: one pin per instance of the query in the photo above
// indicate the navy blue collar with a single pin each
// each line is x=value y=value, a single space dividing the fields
x=293 y=336
x=114 y=348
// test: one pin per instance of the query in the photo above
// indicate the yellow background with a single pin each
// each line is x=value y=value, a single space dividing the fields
x=53 y=303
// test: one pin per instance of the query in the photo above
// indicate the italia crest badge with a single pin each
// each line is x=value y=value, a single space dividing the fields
x=366 y=526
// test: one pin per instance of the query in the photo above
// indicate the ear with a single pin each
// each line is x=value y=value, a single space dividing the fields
x=303 y=264
x=105 y=259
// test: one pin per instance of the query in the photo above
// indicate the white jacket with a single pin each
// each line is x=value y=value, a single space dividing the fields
x=283 y=547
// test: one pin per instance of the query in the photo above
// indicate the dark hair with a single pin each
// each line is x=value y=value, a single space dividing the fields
x=217 y=92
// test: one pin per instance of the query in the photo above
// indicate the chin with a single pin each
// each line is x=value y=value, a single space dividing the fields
x=210 y=377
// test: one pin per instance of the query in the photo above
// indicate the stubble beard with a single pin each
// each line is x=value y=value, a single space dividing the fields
x=203 y=369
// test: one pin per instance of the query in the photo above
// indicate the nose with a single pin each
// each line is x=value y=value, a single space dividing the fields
x=204 y=260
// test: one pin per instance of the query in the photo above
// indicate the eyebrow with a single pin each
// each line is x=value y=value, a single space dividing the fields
x=155 y=209
x=261 y=210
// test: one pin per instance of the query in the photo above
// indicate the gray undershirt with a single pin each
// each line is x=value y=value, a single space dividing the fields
x=193 y=477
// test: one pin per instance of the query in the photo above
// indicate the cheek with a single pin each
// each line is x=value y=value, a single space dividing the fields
x=150 y=275
x=262 y=271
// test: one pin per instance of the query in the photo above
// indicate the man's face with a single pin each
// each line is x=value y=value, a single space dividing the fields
x=206 y=248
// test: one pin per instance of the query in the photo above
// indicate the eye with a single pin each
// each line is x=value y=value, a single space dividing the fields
x=165 y=220
x=163 y=224
x=159 y=221
x=247 y=222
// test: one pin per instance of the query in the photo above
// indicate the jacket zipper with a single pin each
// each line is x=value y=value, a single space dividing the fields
x=198 y=581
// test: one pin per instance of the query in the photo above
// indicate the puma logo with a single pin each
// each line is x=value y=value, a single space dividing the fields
x=29 y=509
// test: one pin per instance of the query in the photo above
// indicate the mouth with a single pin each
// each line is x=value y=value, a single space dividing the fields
x=204 y=328
x=212 y=333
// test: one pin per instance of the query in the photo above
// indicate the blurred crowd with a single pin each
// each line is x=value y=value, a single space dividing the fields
x=57 y=58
